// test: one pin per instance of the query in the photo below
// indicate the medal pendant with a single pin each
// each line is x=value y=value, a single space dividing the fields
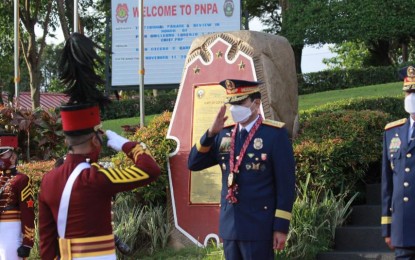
x=231 y=179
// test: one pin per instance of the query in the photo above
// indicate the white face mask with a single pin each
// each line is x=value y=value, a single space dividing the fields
x=240 y=114
x=410 y=103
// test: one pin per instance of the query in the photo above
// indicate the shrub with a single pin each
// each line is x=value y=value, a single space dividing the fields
x=337 y=147
x=154 y=136
x=39 y=131
x=391 y=105
x=315 y=216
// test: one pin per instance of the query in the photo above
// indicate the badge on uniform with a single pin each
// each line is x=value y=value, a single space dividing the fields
x=224 y=166
x=255 y=166
x=394 y=145
x=263 y=156
x=225 y=145
x=258 y=143
x=231 y=179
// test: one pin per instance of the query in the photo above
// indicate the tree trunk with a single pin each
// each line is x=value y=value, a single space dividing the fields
x=35 y=79
x=62 y=19
x=298 y=52
x=379 y=52
x=33 y=48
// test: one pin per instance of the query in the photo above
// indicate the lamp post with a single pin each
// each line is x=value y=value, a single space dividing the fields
x=16 y=52
x=141 y=68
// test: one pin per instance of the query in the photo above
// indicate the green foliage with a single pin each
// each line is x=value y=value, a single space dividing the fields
x=337 y=147
x=154 y=136
x=315 y=216
x=131 y=107
x=347 y=78
x=268 y=11
x=144 y=229
x=390 y=105
x=39 y=131
x=349 y=55
x=325 y=21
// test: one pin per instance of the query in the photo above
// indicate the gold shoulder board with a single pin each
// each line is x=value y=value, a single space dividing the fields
x=396 y=123
x=229 y=125
x=273 y=123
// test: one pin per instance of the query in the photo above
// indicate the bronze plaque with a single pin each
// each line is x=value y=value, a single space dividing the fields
x=205 y=185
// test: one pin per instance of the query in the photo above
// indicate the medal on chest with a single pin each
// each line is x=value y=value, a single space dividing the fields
x=395 y=144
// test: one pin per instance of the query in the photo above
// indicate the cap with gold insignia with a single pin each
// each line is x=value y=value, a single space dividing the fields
x=408 y=76
x=8 y=141
x=237 y=90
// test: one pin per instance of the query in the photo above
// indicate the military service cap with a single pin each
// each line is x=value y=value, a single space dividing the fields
x=408 y=76
x=237 y=90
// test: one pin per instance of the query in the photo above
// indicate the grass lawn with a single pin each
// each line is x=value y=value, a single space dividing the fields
x=115 y=124
x=304 y=101
x=316 y=99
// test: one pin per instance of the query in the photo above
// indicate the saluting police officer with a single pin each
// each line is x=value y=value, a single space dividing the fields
x=258 y=181
x=75 y=198
x=398 y=176
x=17 y=218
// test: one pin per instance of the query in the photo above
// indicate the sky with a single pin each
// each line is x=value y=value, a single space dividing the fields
x=312 y=60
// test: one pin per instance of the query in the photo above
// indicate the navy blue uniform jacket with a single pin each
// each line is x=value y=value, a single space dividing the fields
x=266 y=181
x=398 y=185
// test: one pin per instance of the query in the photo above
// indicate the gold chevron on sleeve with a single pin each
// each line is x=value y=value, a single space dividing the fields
x=27 y=191
x=29 y=233
x=130 y=174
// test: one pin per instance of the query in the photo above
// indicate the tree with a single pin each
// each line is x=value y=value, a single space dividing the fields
x=350 y=55
x=376 y=24
x=271 y=13
x=33 y=14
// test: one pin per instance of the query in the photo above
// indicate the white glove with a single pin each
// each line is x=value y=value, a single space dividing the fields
x=115 y=141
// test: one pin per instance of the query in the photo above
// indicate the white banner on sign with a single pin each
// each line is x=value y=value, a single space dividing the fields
x=169 y=29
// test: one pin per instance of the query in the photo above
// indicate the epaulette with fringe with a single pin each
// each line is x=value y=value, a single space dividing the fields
x=127 y=175
x=273 y=123
x=396 y=123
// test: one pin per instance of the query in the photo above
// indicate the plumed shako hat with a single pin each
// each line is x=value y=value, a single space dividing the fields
x=81 y=115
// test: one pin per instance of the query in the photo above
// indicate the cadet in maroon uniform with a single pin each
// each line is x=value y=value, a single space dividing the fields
x=16 y=204
x=75 y=198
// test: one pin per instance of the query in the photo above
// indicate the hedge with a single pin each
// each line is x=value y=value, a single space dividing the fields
x=340 y=79
x=131 y=107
